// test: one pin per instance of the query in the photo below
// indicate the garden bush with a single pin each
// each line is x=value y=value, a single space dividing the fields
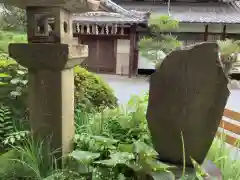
x=91 y=90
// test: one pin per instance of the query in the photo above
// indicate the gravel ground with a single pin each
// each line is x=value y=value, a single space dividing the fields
x=124 y=87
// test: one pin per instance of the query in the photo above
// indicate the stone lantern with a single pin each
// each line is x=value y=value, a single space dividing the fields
x=50 y=55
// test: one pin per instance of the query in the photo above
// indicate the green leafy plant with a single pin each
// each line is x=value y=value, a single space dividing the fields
x=131 y=161
x=6 y=124
x=13 y=94
x=160 y=42
x=91 y=90
x=35 y=159
x=12 y=18
x=229 y=50
x=15 y=138
x=125 y=124
x=224 y=158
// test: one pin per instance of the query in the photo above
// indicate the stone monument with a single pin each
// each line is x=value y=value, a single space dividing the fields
x=50 y=55
x=188 y=93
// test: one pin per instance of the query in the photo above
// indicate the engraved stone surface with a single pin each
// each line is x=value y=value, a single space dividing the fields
x=188 y=93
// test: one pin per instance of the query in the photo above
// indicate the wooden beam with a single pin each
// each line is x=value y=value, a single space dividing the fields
x=228 y=139
x=230 y=127
x=206 y=33
x=115 y=54
x=136 y=55
x=232 y=115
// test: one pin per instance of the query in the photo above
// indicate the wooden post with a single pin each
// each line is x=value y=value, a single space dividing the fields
x=224 y=32
x=136 y=55
x=132 y=49
x=206 y=33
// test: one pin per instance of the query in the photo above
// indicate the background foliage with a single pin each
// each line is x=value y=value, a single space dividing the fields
x=12 y=18
x=160 y=41
x=229 y=50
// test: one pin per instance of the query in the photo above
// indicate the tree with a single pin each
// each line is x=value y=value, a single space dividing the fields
x=229 y=50
x=12 y=18
x=160 y=41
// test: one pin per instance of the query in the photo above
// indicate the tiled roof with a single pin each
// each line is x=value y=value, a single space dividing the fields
x=101 y=17
x=110 y=12
x=210 y=12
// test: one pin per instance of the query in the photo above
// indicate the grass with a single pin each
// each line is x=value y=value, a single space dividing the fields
x=221 y=155
x=32 y=159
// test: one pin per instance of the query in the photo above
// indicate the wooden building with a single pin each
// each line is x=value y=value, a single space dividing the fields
x=198 y=20
x=111 y=36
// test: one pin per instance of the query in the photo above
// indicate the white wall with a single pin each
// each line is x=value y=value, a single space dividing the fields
x=193 y=27
x=233 y=28
x=144 y=63
x=215 y=28
x=123 y=50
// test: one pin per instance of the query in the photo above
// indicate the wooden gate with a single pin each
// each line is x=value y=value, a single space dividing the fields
x=101 y=55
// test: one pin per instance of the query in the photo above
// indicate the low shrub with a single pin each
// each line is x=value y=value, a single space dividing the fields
x=91 y=90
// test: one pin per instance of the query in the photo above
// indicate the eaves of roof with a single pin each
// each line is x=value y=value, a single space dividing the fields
x=211 y=12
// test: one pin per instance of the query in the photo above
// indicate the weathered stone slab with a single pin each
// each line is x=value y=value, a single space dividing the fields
x=188 y=93
x=47 y=55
